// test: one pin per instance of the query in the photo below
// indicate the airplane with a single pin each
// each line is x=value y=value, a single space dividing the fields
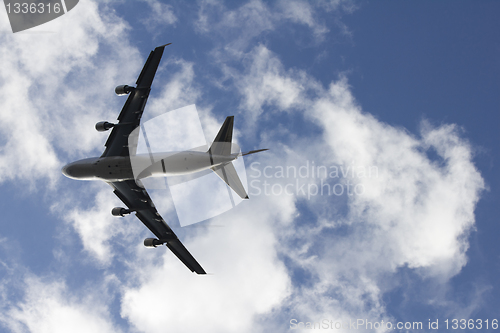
x=115 y=168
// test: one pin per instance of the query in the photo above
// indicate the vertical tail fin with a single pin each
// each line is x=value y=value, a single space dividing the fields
x=222 y=146
x=222 y=142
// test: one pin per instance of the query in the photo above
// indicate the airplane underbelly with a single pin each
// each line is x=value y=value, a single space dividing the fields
x=114 y=169
x=184 y=163
x=174 y=164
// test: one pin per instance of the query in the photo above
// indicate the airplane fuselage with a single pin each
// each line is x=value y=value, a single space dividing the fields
x=119 y=168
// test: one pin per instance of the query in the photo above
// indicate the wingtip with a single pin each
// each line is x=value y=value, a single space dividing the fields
x=164 y=45
x=247 y=197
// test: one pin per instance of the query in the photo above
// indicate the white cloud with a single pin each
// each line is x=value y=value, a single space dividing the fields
x=414 y=212
x=44 y=107
x=52 y=308
x=239 y=27
x=55 y=87
x=161 y=14
x=181 y=89
x=265 y=82
x=96 y=226
x=248 y=277
x=425 y=208
x=302 y=12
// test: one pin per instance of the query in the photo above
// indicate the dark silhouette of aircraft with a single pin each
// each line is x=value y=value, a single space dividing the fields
x=115 y=168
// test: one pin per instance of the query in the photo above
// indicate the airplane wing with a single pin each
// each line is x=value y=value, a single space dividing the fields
x=137 y=199
x=130 y=116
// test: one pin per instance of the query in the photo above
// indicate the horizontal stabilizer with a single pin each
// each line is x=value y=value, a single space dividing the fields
x=228 y=174
x=252 y=152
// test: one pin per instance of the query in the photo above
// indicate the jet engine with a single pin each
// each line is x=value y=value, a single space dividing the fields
x=123 y=90
x=119 y=211
x=103 y=126
x=152 y=242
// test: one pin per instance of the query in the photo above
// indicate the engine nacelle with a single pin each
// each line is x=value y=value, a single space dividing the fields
x=123 y=90
x=152 y=242
x=119 y=211
x=103 y=126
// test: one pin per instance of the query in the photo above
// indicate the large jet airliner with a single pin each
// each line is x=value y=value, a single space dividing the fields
x=115 y=168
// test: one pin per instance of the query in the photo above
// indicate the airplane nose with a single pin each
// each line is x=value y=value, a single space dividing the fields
x=66 y=170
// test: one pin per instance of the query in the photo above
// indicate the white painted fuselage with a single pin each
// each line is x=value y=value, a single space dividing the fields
x=119 y=168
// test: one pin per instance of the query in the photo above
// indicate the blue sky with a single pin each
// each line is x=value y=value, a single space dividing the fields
x=409 y=89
